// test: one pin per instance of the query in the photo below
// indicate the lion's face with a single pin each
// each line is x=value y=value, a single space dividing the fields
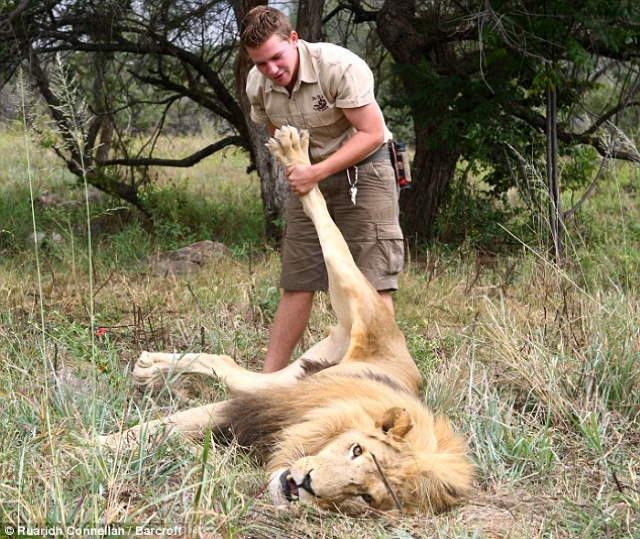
x=390 y=465
x=343 y=475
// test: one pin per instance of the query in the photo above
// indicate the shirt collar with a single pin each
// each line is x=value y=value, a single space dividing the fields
x=306 y=71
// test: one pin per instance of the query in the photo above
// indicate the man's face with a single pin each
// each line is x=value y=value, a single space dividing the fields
x=277 y=59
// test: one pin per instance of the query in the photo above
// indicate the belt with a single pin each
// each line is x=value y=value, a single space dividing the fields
x=380 y=154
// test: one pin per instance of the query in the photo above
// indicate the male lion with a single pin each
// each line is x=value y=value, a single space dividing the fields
x=343 y=426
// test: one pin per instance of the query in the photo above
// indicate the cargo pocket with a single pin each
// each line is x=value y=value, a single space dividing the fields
x=391 y=245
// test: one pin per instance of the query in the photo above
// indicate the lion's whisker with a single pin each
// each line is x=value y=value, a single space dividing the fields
x=386 y=483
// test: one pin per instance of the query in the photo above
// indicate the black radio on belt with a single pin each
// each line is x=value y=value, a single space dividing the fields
x=400 y=162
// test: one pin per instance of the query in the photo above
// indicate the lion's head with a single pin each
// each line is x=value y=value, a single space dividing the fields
x=403 y=460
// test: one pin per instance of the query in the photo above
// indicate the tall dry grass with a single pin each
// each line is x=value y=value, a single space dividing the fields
x=537 y=364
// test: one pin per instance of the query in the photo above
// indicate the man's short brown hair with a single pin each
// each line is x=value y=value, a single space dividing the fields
x=261 y=23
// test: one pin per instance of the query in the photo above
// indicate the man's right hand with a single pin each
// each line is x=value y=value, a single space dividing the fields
x=303 y=178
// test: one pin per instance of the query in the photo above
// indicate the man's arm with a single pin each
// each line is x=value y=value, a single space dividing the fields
x=369 y=125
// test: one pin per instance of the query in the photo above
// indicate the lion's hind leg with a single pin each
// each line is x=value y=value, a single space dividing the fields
x=290 y=145
x=354 y=299
x=151 y=367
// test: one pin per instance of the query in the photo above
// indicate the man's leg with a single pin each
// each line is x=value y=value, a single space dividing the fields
x=288 y=326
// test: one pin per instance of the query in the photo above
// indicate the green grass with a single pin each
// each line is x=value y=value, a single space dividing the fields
x=537 y=365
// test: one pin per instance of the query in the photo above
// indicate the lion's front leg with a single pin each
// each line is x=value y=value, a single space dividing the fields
x=193 y=423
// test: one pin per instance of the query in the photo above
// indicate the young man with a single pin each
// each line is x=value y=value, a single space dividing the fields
x=327 y=90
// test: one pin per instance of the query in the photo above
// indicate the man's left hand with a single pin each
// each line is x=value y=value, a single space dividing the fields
x=302 y=178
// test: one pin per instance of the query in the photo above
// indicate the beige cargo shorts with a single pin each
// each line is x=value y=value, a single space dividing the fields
x=371 y=229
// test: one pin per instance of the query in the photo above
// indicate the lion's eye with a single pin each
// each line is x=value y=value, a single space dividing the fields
x=356 y=451
x=368 y=499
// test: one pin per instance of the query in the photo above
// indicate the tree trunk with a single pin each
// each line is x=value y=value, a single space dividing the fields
x=274 y=189
x=434 y=165
x=309 y=23
x=555 y=211
x=433 y=169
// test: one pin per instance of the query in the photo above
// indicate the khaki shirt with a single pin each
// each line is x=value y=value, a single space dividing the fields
x=330 y=78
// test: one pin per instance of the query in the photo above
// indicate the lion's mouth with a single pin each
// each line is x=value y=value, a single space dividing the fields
x=289 y=486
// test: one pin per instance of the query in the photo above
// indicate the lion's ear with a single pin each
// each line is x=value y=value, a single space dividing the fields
x=395 y=421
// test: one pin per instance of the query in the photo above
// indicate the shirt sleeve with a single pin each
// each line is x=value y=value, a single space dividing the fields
x=354 y=85
x=254 y=93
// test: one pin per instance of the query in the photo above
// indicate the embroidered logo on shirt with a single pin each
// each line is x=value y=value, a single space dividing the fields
x=319 y=103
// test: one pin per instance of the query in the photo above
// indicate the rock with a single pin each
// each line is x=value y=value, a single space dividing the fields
x=187 y=259
x=49 y=199
x=43 y=239
x=37 y=238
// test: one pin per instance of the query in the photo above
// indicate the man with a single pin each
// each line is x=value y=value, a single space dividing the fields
x=327 y=90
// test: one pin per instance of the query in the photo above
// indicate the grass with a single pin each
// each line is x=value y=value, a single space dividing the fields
x=537 y=365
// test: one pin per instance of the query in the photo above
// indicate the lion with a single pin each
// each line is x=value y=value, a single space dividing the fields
x=342 y=427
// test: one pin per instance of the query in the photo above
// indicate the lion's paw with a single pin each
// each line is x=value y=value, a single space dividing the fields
x=111 y=441
x=118 y=441
x=147 y=370
x=290 y=145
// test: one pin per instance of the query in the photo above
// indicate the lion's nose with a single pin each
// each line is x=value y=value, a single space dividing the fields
x=306 y=483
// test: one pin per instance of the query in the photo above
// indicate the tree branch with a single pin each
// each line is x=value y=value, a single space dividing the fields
x=538 y=121
x=192 y=93
x=185 y=162
x=161 y=47
x=360 y=14
x=603 y=166
x=607 y=115
x=597 y=46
